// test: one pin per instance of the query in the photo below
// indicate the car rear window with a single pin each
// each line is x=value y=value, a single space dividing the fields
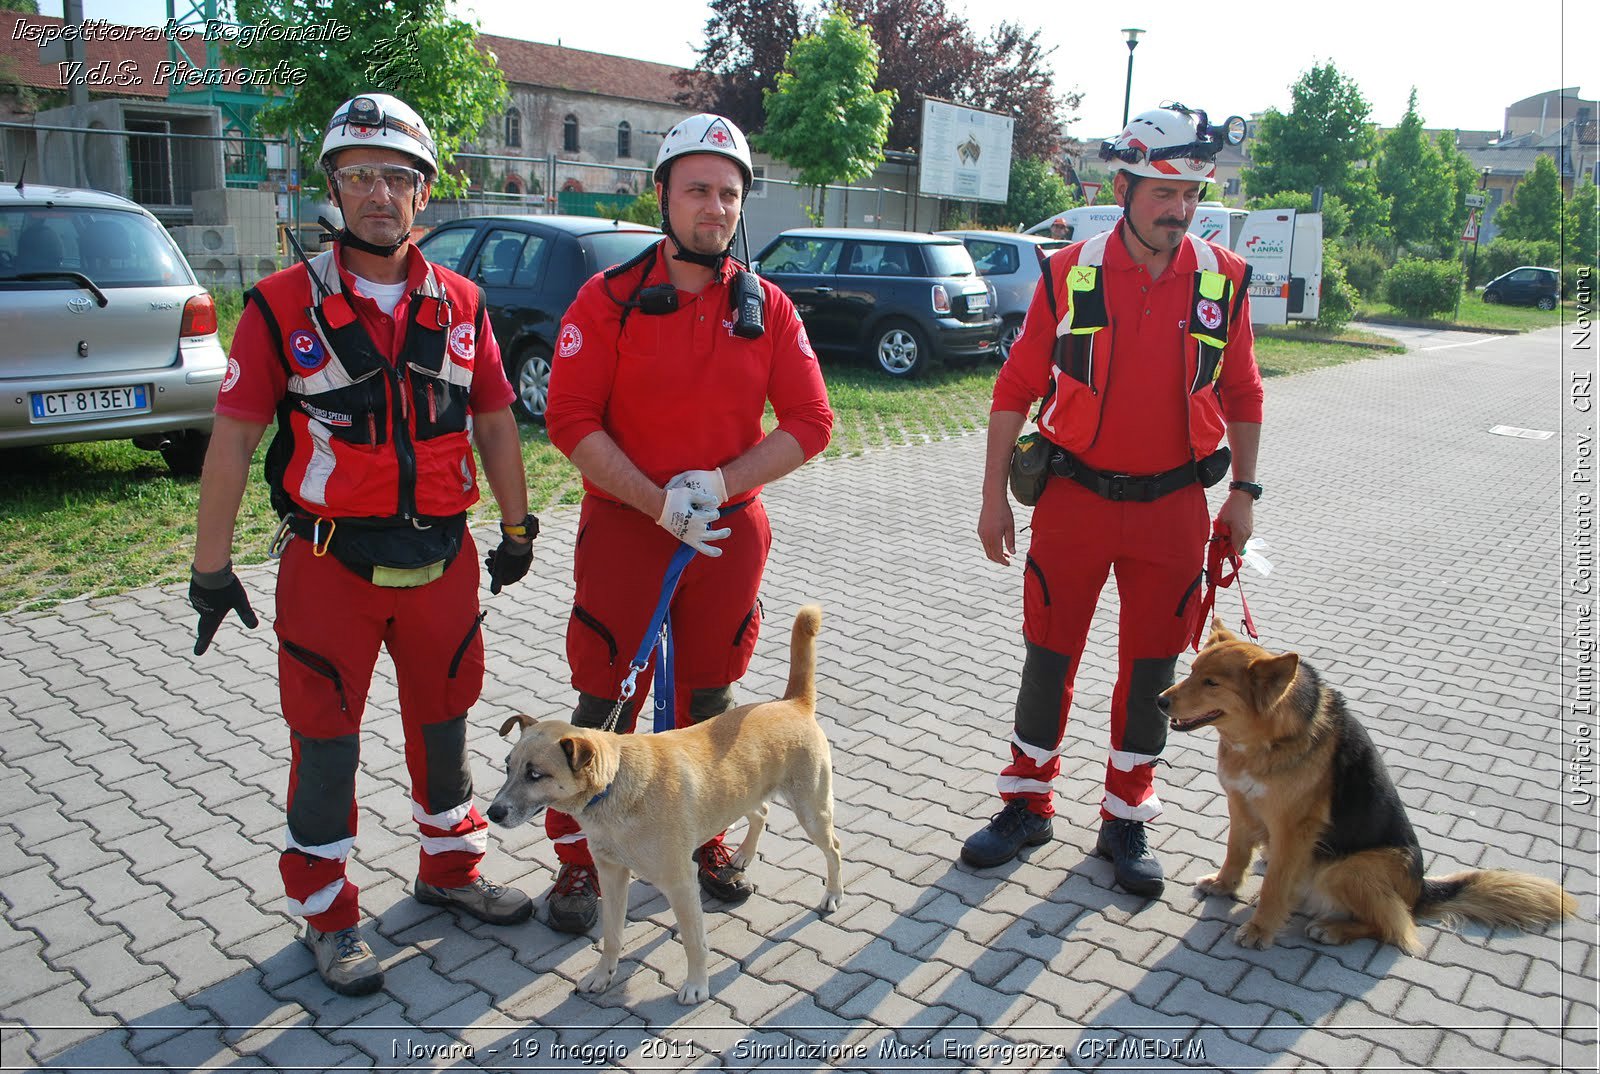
x=607 y=248
x=112 y=248
x=993 y=258
x=948 y=259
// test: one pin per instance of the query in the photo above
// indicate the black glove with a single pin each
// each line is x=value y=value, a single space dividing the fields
x=213 y=594
x=509 y=563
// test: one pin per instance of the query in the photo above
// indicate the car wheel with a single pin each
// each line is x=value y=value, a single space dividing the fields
x=186 y=453
x=1010 y=332
x=1547 y=303
x=530 y=377
x=901 y=350
x=1491 y=298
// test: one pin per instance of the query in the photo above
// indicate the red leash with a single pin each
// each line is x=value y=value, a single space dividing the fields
x=1222 y=569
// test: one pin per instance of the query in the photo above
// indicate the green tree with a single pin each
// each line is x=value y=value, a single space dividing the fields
x=26 y=7
x=1035 y=191
x=1535 y=209
x=1583 y=226
x=824 y=118
x=1464 y=177
x=413 y=49
x=1412 y=177
x=1324 y=140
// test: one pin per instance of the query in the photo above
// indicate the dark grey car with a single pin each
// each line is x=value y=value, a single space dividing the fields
x=904 y=299
x=107 y=336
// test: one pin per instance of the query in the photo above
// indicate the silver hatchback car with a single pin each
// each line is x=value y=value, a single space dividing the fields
x=104 y=333
x=1008 y=262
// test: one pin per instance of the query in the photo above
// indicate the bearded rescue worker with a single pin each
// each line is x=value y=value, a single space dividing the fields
x=663 y=368
x=1142 y=351
x=382 y=373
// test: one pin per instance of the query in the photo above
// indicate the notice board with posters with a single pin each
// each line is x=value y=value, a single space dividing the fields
x=965 y=154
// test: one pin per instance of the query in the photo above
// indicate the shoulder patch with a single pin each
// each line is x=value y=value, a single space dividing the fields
x=306 y=350
x=463 y=342
x=570 y=341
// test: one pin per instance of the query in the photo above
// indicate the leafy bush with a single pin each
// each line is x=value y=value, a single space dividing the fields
x=1423 y=288
x=1364 y=266
x=644 y=209
x=1338 y=301
x=1503 y=254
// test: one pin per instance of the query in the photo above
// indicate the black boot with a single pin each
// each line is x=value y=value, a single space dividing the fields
x=1136 y=869
x=1008 y=831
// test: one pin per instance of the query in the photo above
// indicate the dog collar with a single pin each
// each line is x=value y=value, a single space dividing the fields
x=597 y=798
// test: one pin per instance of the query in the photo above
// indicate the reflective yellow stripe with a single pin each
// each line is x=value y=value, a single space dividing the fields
x=1213 y=285
x=406 y=577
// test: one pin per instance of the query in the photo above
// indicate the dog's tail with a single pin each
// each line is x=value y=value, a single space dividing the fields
x=803 y=656
x=1495 y=897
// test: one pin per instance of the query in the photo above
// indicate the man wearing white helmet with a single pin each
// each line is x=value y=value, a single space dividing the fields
x=1138 y=341
x=382 y=373
x=662 y=372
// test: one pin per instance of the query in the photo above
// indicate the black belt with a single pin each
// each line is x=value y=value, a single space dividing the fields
x=1141 y=488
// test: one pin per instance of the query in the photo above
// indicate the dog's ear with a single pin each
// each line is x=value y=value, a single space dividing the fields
x=1272 y=676
x=519 y=720
x=1220 y=633
x=579 y=750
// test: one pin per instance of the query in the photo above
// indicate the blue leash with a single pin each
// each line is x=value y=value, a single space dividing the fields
x=659 y=632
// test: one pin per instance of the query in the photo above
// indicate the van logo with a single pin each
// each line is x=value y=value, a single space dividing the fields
x=78 y=304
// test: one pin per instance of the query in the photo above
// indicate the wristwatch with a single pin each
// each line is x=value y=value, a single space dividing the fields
x=1249 y=488
x=525 y=530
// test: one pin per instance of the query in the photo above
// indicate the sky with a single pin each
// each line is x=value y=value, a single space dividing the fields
x=1468 y=61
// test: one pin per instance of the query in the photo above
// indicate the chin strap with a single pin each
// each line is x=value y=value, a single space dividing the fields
x=351 y=240
x=714 y=262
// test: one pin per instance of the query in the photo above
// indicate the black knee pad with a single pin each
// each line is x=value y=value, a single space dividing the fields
x=591 y=711
x=1146 y=728
x=449 y=774
x=709 y=701
x=1045 y=674
x=325 y=779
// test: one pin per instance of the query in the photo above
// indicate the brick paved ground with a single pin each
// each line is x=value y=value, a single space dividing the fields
x=1417 y=565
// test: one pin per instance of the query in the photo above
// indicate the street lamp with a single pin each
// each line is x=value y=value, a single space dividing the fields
x=1127 y=95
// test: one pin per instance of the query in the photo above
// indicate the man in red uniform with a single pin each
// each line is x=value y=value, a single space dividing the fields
x=382 y=373
x=663 y=369
x=1142 y=351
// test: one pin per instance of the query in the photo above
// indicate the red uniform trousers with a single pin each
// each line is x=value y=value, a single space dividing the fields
x=330 y=625
x=617 y=565
x=1156 y=551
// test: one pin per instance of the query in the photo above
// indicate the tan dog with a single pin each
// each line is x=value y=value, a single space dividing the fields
x=1303 y=778
x=646 y=802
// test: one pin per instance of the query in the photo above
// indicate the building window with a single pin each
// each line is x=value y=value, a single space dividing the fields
x=1231 y=187
x=513 y=129
x=624 y=139
x=514 y=184
x=569 y=134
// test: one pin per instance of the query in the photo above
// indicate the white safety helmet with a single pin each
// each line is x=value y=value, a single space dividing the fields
x=383 y=122
x=1171 y=143
x=706 y=133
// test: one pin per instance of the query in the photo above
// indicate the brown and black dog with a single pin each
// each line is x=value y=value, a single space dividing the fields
x=1304 y=779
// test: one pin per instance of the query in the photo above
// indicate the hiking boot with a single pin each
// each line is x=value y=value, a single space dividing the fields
x=574 y=902
x=1008 y=831
x=483 y=900
x=719 y=877
x=344 y=961
x=1135 y=868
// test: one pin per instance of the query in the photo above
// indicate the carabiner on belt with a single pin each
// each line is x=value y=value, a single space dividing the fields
x=319 y=543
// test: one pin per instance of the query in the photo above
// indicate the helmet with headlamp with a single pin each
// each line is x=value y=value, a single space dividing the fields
x=1172 y=142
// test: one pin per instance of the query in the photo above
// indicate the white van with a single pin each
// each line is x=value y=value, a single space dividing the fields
x=1284 y=249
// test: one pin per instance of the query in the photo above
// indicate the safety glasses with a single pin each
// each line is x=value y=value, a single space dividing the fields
x=361 y=179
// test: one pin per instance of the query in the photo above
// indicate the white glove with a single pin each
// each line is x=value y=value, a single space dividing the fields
x=688 y=515
x=707 y=481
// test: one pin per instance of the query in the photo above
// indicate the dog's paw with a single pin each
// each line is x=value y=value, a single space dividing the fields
x=694 y=992
x=741 y=860
x=1255 y=936
x=1216 y=885
x=830 y=902
x=599 y=979
x=1327 y=932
